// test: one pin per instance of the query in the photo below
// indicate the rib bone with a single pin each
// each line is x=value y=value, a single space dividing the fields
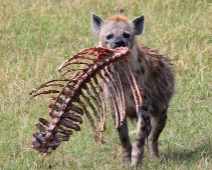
x=81 y=90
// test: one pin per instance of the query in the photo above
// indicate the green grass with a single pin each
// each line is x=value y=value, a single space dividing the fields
x=37 y=36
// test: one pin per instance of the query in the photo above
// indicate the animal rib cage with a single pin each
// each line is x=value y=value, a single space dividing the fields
x=80 y=90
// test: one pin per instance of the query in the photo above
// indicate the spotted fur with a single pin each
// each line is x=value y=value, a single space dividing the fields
x=155 y=77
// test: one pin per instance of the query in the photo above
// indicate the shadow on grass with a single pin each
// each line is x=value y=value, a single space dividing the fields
x=202 y=152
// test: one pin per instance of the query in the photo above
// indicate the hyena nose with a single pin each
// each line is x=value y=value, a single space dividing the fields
x=119 y=43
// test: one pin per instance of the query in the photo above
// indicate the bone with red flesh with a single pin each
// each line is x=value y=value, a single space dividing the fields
x=61 y=137
x=65 y=115
x=135 y=89
x=102 y=125
x=71 y=63
x=35 y=142
x=87 y=100
x=122 y=97
x=53 y=116
x=45 y=122
x=40 y=149
x=111 y=102
x=74 y=108
x=113 y=80
x=71 y=116
x=59 y=100
x=104 y=76
x=72 y=70
x=54 y=106
x=116 y=80
x=64 y=131
x=97 y=97
x=58 y=113
x=90 y=93
x=53 y=143
x=100 y=90
x=45 y=85
x=80 y=79
x=103 y=57
x=58 y=109
x=60 y=130
x=41 y=128
x=45 y=92
x=113 y=96
x=132 y=81
x=79 y=55
x=43 y=150
x=40 y=137
x=89 y=118
x=102 y=108
x=69 y=124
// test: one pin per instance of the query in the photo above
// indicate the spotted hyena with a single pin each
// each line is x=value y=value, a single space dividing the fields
x=155 y=77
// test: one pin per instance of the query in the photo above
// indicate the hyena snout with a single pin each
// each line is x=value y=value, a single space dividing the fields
x=119 y=42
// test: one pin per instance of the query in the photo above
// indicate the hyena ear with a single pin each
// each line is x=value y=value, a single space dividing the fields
x=96 y=23
x=138 y=24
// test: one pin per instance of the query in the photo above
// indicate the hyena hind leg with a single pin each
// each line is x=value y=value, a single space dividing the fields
x=158 y=124
x=125 y=142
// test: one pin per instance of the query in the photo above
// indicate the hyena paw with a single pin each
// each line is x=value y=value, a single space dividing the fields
x=126 y=159
x=154 y=152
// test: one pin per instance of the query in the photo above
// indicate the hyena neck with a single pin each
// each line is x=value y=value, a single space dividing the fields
x=135 y=57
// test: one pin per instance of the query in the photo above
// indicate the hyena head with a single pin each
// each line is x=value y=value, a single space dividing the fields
x=117 y=31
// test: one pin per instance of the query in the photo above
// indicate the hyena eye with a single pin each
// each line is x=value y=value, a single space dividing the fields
x=126 y=35
x=109 y=36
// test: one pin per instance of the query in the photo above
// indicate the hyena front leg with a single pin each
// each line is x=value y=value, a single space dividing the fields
x=143 y=130
x=125 y=142
x=158 y=123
